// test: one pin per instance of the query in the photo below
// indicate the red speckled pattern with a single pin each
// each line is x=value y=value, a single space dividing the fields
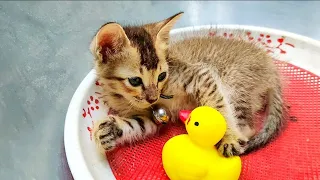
x=294 y=154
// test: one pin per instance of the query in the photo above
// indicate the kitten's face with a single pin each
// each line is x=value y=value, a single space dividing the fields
x=131 y=61
x=137 y=77
x=138 y=84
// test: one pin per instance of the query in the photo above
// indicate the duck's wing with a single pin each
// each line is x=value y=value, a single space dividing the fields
x=192 y=171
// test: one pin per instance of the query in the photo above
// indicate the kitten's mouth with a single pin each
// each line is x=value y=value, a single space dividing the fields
x=166 y=96
x=139 y=99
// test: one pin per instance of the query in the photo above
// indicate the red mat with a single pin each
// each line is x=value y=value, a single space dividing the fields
x=292 y=155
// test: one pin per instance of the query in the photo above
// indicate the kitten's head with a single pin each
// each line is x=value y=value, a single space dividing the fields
x=131 y=61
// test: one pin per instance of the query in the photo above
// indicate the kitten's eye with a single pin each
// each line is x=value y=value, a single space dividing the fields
x=196 y=123
x=135 y=81
x=162 y=76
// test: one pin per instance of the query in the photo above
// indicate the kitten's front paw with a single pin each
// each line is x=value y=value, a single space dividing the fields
x=231 y=145
x=106 y=132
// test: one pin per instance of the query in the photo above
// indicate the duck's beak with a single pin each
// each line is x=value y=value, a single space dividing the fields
x=184 y=114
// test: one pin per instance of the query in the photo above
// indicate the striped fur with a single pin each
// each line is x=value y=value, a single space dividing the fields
x=229 y=75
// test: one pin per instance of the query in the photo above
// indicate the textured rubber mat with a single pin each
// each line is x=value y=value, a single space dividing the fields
x=294 y=154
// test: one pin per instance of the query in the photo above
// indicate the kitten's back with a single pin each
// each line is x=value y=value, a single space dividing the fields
x=227 y=56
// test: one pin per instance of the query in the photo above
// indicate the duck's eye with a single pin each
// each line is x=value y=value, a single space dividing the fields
x=196 y=123
x=135 y=81
x=162 y=76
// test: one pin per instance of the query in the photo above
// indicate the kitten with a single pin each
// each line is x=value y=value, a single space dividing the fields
x=136 y=64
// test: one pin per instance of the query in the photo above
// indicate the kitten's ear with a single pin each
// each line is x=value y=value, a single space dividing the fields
x=110 y=39
x=166 y=25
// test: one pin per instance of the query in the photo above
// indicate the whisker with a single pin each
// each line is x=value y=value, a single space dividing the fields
x=131 y=106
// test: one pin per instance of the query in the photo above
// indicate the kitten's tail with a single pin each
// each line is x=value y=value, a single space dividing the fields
x=274 y=121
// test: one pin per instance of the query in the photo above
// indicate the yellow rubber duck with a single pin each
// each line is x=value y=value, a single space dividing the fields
x=193 y=156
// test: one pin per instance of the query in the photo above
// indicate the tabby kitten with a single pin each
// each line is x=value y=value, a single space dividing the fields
x=136 y=64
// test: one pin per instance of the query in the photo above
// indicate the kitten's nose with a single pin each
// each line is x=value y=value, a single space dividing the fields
x=151 y=93
x=150 y=100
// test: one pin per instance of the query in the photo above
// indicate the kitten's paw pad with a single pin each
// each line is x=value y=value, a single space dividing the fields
x=106 y=132
x=231 y=146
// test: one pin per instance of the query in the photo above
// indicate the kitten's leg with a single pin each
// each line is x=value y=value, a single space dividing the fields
x=235 y=139
x=243 y=112
x=207 y=88
x=115 y=130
